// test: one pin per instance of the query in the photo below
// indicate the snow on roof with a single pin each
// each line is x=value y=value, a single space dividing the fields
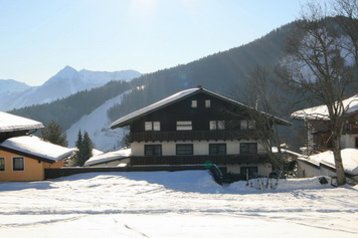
x=107 y=157
x=154 y=106
x=349 y=159
x=32 y=145
x=176 y=97
x=10 y=122
x=321 y=112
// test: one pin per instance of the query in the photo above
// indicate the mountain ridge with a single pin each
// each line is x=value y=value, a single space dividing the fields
x=64 y=83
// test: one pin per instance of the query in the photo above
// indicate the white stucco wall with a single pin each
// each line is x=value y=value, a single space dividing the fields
x=348 y=141
x=262 y=169
x=305 y=170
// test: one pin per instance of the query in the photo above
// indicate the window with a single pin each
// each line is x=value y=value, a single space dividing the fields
x=184 y=126
x=18 y=163
x=184 y=149
x=152 y=126
x=217 y=125
x=217 y=149
x=194 y=103
x=207 y=103
x=248 y=148
x=2 y=164
x=153 y=150
x=247 y=124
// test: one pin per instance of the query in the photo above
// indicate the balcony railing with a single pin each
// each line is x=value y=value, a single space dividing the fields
x=193 y=135
x=200 y=160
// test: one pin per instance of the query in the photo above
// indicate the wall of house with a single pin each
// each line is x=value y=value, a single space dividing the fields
x=200 y=147
x=306 y=170
x=349 y=141
x=33 y=168
x=262 y=169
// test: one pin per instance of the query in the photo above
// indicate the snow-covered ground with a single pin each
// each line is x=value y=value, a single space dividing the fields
x=174 y=204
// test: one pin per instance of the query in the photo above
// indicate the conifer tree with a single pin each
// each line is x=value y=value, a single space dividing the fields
x=54 y=134
x=85 y=146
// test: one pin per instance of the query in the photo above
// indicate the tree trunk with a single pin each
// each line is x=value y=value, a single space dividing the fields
x=341 y=178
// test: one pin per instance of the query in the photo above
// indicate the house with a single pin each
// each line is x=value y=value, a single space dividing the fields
x=317 y=158
x=24 y=157
x=316 y=121
x=196 y=127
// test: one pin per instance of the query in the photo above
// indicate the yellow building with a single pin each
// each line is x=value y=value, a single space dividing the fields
x=25 y=158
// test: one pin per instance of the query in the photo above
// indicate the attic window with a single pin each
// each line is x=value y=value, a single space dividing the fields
x=207 y=103
x=152 y=126
x=194 y=103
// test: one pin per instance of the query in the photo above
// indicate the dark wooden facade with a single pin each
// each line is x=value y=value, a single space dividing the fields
x=208 y=107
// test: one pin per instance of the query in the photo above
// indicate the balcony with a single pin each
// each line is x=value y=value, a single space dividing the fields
x=193 y=135
x=200 y=160
x=352 y=128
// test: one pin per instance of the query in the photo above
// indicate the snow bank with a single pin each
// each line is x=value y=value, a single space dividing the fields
x=10 y=122
x=35 y=146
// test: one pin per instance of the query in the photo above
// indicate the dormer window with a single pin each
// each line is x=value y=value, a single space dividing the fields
x=217 y=125
x=152 y=126
x=207 y=103
x=194 y=103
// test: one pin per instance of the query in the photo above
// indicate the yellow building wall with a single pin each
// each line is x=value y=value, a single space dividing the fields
x=33 y=168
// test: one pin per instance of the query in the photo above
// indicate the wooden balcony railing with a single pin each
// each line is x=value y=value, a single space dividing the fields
x=199 y=160
x=193 y=135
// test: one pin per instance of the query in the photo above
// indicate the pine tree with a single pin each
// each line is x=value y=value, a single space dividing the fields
x=85 y=146
x=54 y=134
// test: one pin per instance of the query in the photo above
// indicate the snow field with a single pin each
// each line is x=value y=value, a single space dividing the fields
x=174 y=204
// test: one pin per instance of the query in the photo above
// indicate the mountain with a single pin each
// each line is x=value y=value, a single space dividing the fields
x=65 y=83
x=10 y=86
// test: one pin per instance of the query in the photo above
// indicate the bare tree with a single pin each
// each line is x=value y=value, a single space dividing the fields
x=319 y=63
x=347 y=12
x=260 y=96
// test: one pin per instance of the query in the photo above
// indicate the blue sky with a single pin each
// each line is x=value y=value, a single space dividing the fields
x=40 y=37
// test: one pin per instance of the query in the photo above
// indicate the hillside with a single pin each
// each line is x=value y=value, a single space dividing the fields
x=69 y=110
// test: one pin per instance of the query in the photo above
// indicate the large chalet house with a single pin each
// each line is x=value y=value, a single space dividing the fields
x=24 y=157
x=317 y=158
x=197 y=126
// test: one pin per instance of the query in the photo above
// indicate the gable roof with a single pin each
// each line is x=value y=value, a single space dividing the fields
x=10 y=123
x=34 y=147
x=321 y=112
x=125 y=120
